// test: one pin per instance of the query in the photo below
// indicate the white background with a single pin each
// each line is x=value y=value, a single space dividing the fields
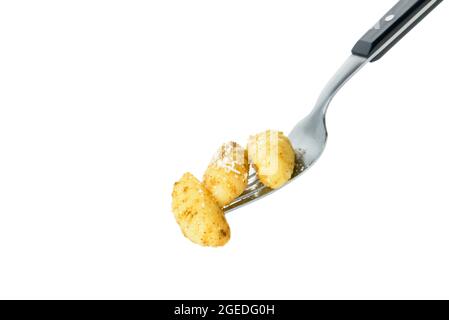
x=105 y=104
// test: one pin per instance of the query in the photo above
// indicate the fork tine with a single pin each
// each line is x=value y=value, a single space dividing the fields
x=251 y=177
x=252 y=182
x=251 y=191
x=259 y=188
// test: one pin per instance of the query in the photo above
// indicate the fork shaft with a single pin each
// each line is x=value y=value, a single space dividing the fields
x=350 y=67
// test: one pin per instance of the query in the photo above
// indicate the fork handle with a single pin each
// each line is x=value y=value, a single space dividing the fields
x=393 y=26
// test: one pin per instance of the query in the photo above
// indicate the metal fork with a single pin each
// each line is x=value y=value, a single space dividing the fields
x=309 y=136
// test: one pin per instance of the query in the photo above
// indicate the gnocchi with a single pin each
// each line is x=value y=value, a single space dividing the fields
x=198 y=206
x=198 y=214
x=273 y=158
x=226 y=177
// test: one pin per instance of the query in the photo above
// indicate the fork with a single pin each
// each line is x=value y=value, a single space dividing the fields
x=309 y=136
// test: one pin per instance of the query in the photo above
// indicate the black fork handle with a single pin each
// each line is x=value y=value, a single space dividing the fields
x=393 y=26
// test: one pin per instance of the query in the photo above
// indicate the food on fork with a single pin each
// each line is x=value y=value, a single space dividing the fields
x=198 y=207
x=198 y=214
x=226 y=177
x=272 y=156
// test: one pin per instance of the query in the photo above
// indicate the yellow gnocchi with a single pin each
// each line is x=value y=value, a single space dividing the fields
x=273 y=158
x=226 y=176
x=198 y=206
x=198 y=214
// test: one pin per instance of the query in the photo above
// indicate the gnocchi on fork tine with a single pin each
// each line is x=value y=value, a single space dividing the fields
x=309 y=136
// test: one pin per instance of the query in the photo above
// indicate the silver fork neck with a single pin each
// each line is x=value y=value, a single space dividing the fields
x=351 y=66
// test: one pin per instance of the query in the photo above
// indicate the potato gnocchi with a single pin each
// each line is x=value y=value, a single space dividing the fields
x=198 y=206
x=198 y=214
x=226 y=177
x=273 y=158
